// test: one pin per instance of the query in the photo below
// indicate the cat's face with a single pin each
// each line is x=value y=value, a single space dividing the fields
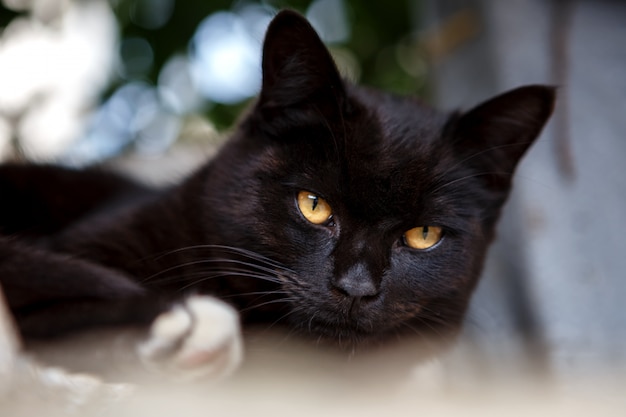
x=379 y=208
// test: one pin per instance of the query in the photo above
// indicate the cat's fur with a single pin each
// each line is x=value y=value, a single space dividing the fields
x=82 y=249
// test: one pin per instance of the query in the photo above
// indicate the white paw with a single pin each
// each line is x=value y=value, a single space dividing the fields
x=198 y=338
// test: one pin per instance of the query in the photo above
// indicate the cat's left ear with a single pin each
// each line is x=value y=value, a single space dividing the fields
x=494 y=136
x=299 y=74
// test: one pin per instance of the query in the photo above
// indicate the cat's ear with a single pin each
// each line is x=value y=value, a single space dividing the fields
x=494 y=135
x=298 y=71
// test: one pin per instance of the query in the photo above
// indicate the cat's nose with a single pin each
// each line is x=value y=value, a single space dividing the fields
x=357 y=282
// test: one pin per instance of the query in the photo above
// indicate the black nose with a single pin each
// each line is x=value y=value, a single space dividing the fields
x=357 y=282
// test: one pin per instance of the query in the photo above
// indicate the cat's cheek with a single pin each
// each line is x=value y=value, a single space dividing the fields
x=417 y=277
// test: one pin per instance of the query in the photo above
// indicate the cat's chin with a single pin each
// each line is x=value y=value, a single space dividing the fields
x=352 y=338
x=345 y=339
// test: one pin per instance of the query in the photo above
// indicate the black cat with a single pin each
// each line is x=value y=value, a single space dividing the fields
x=345 y=212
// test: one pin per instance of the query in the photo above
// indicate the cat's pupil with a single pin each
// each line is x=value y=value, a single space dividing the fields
x=314 y=202
x=425 y=232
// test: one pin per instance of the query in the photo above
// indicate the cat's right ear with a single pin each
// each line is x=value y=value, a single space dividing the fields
x=299 y=75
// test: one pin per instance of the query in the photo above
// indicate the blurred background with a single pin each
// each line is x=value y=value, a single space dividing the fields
x=89 y=81
x=85 y=80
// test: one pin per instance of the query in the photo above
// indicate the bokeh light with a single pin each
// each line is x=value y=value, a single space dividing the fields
x=174 y=61
x=226 y=59
x=177 y=89
x=329 y=19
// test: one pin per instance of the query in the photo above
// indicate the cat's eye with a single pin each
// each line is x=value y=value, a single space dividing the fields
x=315 y=209
x=424 y=237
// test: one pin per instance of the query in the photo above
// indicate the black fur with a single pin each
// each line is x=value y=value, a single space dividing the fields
x=86 y=248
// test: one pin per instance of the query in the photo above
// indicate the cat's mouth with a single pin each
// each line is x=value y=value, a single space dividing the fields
x=346 y=329
x=357 y=325
x=345 y=335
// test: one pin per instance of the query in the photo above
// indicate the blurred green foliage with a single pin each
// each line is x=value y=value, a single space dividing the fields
x=380 y=42
x=378 y=30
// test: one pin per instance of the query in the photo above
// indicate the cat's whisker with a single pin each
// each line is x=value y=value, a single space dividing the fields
x=426 y=320
x=239 y=251
x=285 y=300
x=293 y=310
x=261 y=293
x=209 y=261
x=223 y=275
x=172 y=268
x=215 y=273
x=270 y=263
x=311 y=321
x=222 y=269
x=397 y=332
x=440 y=328
x=414 y=329
x=255 y=303
x=252 y=265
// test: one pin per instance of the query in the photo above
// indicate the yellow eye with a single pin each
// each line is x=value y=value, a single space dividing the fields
x=315 y=209
x=423 y=237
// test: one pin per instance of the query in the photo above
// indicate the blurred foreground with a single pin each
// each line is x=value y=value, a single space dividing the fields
x=283 y=377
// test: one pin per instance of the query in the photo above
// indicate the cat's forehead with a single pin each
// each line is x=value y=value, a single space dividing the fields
x=392 y=137
x=392 y=153
x=402 y=119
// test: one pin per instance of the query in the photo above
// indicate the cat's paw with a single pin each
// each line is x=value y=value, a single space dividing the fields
x=198 y=338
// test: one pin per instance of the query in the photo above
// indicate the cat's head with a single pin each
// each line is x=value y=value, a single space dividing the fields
x=380 y=208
